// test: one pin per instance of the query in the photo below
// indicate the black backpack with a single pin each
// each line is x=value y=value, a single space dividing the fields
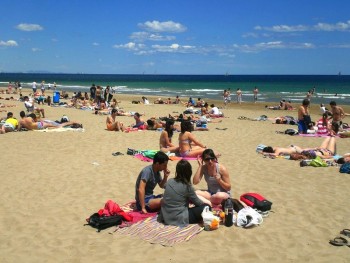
x=103 y=222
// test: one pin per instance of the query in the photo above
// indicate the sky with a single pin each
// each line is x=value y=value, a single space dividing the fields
x=175 y=36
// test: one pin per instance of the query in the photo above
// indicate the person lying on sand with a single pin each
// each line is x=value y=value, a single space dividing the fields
x=31 y=123
x=325 y=151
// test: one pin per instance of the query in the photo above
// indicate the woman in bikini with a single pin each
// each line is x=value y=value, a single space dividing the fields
x=216 y=176
x=325 y=151
x=189 y=146
x=165 y=143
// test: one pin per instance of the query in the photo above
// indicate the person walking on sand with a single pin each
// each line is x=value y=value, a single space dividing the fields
x=239 y=95
x=255 y=94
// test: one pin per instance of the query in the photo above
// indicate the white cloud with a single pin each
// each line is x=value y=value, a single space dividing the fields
x=271 y=45
x=95 y=44
x=174 y=48
x=340 y=26
x=130 y=46
x=35 y=49
x=168 y=26
x=144 y=36
x=8 y=43
x=29 y=27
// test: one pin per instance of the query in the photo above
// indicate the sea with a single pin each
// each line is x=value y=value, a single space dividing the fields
x=272 y=88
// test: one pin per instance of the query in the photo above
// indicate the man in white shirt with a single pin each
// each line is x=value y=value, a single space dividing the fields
x=30 y=106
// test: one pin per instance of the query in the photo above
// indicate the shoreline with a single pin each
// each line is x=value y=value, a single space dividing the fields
x=314 y=108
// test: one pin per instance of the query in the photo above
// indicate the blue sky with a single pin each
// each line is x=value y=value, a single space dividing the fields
x=175 y=36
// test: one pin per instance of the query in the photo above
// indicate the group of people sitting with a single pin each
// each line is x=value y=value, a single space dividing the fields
x=174 y=205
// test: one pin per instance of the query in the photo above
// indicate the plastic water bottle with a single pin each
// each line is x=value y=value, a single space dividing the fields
x=228 y=212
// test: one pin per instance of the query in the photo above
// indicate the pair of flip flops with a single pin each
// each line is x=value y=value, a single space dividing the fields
x=341 y=241
x=117 y=153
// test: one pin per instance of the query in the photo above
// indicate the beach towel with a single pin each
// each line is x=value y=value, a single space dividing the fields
x=157 y=233
x=144 y=158
x=62 y=129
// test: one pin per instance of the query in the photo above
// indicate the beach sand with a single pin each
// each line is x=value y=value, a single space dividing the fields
x=51 y=182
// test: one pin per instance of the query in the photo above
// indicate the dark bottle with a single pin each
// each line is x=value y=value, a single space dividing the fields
x=228 y=208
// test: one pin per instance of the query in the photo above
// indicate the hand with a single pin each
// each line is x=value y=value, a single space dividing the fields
x=166 y=172
x=144 y=211
x=199 y=160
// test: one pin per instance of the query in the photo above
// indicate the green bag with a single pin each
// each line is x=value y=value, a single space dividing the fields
x=318 y=162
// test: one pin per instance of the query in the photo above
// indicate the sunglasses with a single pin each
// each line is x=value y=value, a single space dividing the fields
x=209 y=158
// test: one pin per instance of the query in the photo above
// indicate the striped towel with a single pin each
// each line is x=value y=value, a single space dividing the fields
x=156 y=233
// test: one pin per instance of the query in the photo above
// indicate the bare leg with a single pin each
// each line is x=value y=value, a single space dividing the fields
x=204 y=196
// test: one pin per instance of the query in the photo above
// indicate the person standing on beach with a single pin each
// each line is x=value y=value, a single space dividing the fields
x=93 y=92
x=147 y=180
x=304 y=118
x=34 y=87
x=239 y=95
x=337 y=116
x=255 y=94
x=227 y=97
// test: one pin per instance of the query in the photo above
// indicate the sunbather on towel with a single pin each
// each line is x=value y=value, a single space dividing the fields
x=325 y=151
x=165 y=143
x=112 y=124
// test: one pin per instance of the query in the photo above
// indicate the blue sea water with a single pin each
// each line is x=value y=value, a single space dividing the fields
x=272 y=88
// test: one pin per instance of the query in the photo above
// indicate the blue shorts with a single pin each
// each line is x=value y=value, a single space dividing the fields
x=147 y=199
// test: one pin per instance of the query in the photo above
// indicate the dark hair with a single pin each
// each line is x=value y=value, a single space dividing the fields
x=341 y=160
x=150 y=122
x=333 y=103
x=160 y=158
x=33 y=116
x=183 y=172
x=297 y=156
x=168 y=128
x=22 y=114
x=210 y=153
x=306 y=102
x=278 y=121
x=9 y=114
x=137 y=114
x=268 y=149
x=186 y=126
x=114 y=111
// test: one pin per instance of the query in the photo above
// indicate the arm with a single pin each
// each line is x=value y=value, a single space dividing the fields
x=195 y=141
x=141 y=190
x=165 y=178
x=199 y=173
x=223 y=179
x=166 y=139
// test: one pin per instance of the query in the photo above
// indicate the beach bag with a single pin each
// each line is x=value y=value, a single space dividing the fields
x=248 y=217
x=345 y=168
x=318 y=162
x=103 y=222
x=257 y=201
x=210 y=219
x=291 y=132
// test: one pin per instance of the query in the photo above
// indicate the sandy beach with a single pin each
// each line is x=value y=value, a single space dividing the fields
x=52 y=181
